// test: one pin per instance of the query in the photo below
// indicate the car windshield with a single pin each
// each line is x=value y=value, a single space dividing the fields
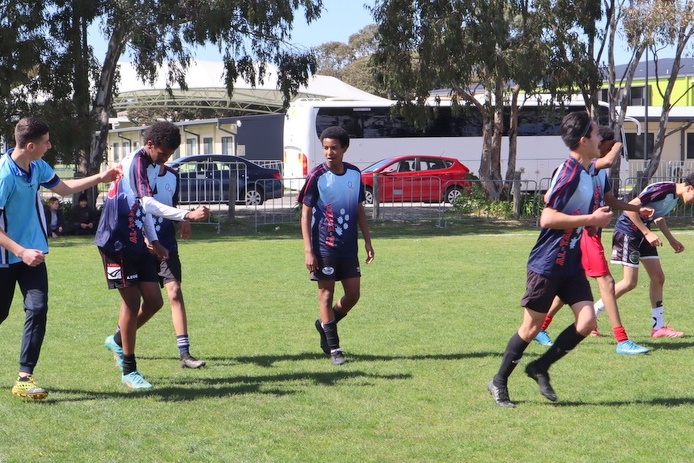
x=378 y=165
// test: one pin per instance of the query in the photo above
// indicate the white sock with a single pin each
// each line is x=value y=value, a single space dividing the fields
x=657 y=313
x=599 y=306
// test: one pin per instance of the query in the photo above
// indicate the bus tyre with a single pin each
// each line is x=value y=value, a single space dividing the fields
x=369 y=195
x=452 y=194
x=254 y=197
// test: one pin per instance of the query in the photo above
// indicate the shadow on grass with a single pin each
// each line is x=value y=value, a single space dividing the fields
x=194 y=388
x=270 y=360
x=669 y=402
x=669 y=345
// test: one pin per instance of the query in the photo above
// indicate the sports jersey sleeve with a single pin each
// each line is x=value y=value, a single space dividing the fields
x=47 y=176
x=308 y=195
x=656 y=192
x=563 y=186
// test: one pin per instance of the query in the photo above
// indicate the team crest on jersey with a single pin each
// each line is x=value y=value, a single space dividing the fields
x=328 y=270
x=634 y=257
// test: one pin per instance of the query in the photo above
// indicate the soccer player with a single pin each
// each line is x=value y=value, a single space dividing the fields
x=592 y=252
x=166 y=191
x=331 y=211
x=634 y=242
x=554 y=265
x=125 y=229
x=23 y=238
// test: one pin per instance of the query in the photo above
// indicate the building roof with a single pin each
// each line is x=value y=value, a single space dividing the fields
x=206 y=89
x=664 y=67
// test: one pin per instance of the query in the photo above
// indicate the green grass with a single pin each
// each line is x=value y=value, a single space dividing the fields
x=437 y=308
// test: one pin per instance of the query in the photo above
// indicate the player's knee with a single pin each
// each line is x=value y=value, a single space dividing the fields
x=658 y=279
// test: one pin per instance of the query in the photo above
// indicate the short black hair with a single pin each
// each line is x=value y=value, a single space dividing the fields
x=164 y=133
x=336 y=133
x=29 y=129
x=82 y=197
x=575 y=126
x=689 y=179
x=606 y=133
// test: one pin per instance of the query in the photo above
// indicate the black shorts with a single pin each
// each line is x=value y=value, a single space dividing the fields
x=125 y=269
x=170 y=269
x=336 y=268
x=540 y=291
x=628 y=250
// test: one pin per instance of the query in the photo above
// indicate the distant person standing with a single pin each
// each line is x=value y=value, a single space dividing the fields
x=332 y=210
x=554 y=265
x=23 y=242
x=83 y=217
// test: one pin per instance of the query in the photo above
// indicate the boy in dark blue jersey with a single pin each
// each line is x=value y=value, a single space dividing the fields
x=125 y=235
x=23 y=238
x=332 y=209
x=634 y=242
x=554 y=265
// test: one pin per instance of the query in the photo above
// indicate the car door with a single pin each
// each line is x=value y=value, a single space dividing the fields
x=432 y=179
x=400 y=182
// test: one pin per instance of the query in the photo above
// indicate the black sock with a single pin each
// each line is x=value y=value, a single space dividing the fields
x=129 y=364
x=117 y=338
x=338 y=315
x=565 y=342
x=512 y=355
x=330 y=330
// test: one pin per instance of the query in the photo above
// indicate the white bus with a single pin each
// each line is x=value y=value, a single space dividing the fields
x=375 y=134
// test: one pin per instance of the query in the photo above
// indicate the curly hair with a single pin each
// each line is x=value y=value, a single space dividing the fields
x=164 y=133
x=336 y=133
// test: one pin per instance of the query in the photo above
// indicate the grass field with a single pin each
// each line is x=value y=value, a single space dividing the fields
x=437 y=309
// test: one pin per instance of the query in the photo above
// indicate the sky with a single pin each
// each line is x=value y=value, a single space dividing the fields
x=339 y=20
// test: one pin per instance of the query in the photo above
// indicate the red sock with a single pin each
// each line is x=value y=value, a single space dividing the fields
x=546 y=323
x=620 y=333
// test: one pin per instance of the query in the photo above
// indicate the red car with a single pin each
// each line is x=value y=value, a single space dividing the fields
x=416 y=178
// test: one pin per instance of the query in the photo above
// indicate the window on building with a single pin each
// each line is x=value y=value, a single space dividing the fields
x=191 y=146
x=690 y=145
x=227 y=145
x=208 y=145
x=116 y=152
x=639 y=96
x=635 y=145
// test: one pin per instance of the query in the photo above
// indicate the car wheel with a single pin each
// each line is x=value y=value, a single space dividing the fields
x=254 y=197
x=452 y=194
x=368 y=195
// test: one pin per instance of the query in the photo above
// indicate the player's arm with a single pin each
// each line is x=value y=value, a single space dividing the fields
x=309 y=255
x=154 y=207
x=609 y=159
x=615 y=203
x=635 y=218
x=72 y=186
x=552 y=218
x=365 y=233
x=662 y=225
x=31 y=257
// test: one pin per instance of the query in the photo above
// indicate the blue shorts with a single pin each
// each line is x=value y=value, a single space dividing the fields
x=630 y=250
x=336 y=268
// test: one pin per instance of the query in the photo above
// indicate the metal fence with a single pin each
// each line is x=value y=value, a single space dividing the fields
x=395 y=201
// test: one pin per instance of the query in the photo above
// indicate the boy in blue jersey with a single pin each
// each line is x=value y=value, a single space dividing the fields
x=331 y=211
x=554 y=264
x=23 y=238
x=634 y=242
x=125 y=236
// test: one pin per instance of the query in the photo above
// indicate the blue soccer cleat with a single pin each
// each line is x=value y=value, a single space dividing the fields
x=543 y=338
x=630 y=347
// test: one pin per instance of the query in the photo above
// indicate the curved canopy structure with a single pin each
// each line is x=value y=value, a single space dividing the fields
x=206 y=90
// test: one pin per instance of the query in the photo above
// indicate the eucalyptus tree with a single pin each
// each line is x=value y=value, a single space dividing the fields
x=659 y=25
x=487 y=52
x=250 y=35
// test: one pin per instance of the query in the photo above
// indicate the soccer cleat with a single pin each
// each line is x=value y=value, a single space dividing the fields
x=542 y=379
x=117 y=350
x=337 y=357
x=630 y=347
x=135 y=380
x=500 y=395
x=543 y=338
x=323 y=338
x=189 y=361
x=26 y=387
x=666 y=332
